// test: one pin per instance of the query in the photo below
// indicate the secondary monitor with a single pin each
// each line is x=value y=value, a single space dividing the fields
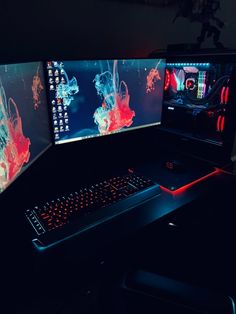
x=93 y=98
x=24 y=124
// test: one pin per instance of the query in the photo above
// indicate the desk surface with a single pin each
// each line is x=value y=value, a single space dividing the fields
x=40 y=270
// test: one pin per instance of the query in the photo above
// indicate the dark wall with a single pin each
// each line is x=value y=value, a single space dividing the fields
x=96 y=29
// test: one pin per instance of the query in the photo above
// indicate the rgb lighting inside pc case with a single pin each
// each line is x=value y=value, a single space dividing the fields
x=100 y=97
x=196 y=99
x=24 y=125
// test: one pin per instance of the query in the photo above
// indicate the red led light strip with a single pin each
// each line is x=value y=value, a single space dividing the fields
x=226 y=95
x=189 y=185
x=222 y=95
x=220 y=124
x=167 y=80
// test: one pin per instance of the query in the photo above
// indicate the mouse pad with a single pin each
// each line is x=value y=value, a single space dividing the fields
x=185 y=171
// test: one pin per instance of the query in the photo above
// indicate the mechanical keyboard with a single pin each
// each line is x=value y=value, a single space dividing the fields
x=115 y=194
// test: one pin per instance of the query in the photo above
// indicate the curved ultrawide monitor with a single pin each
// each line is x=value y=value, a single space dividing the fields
x=24 y=125
x=100 y=97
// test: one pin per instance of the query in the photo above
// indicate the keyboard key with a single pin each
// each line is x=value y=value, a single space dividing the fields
x=66 y=209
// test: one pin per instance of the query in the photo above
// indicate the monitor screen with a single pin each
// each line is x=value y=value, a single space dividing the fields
x=24 y=128
x=99 y=97
x=196 y=99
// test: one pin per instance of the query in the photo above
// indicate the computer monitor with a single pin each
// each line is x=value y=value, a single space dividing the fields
x=196 y=99
x=93 y=98
x=24 y=125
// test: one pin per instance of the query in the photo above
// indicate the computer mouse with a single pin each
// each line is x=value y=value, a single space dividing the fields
x=174 y=165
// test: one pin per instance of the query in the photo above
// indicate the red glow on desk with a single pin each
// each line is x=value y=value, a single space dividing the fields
x=182 y=189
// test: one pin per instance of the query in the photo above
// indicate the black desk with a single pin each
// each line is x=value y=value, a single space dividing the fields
x=39 y=271
x=110 y=228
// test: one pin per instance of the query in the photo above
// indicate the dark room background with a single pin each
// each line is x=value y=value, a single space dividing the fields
x=35 y=30
x=80 y=29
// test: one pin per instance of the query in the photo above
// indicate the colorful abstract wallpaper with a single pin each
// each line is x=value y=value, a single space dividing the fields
x=100 y=97
x=24 y=128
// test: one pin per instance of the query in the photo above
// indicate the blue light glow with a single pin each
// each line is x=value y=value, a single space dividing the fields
x=189 y=64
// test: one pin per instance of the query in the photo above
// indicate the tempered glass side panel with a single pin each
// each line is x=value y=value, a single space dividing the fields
x=197 y=99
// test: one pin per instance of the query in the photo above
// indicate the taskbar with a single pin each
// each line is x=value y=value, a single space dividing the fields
x=75 y=139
